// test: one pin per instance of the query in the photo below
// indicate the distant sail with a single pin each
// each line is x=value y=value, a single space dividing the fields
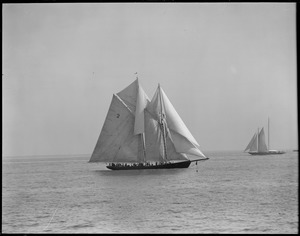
x=252 y=146
x=258 y=146
x=262 y=147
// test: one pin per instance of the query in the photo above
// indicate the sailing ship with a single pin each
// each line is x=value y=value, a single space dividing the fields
x=257 y=145
x=139 y=133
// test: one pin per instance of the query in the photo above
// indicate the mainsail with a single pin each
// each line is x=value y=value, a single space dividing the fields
x=262 y=147
x=116 y=141
x=139 y=130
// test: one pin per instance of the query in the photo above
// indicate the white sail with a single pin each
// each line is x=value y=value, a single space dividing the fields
x=262 y=147
x=136 y=99
x=129 y=95
x=153 y=139
x=138 y=130
x=183 y=145
x=116 y=141
x=141 y=103
x=154 y=142
x=172 y=153
x=252 y=146
x=258 y=144
x=162 y=109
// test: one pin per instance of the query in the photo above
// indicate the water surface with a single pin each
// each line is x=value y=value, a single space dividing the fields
x=232 y=192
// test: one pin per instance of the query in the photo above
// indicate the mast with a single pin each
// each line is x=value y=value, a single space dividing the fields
x=268 y=133
x=142 y=135
x=162 y=125
x=143 y=144
x=257 y=138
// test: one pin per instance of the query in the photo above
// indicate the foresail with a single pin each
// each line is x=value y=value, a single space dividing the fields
x=116 y=141
x=161 y=109
x=262 y=147
x=252 y=146
x=174 y=121
x=171 y=150
x=153 y=139
x=154 y=142
x=183 y=145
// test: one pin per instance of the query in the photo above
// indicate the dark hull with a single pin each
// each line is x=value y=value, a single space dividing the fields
x=184 y=164
x=266 y=153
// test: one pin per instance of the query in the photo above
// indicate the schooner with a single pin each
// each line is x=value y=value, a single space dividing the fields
x=139 y=133
x=258 y=146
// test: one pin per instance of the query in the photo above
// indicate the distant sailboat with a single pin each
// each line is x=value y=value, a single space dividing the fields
x=142 y=134
x=257 y=145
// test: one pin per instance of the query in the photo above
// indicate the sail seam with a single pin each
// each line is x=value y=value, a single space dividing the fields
x=124 y=104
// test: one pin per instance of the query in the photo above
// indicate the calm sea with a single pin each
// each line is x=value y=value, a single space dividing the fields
x=232 y=192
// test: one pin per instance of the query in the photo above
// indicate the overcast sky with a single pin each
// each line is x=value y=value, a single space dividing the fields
x=226 y=68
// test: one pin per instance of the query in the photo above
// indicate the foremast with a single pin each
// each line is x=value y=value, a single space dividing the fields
x=162 y=125
x=142 y=139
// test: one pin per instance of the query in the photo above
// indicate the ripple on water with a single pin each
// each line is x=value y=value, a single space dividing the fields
x=231 y=195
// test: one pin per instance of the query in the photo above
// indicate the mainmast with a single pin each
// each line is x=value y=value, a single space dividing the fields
x=268 y=133
x=257 y=139
x=144 y=147
x=162 y=126
x=142 y=135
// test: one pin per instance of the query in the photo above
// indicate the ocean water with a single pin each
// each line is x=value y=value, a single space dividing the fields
x=232 y=192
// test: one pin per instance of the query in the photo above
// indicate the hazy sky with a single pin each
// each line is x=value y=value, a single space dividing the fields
x=225 y=67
